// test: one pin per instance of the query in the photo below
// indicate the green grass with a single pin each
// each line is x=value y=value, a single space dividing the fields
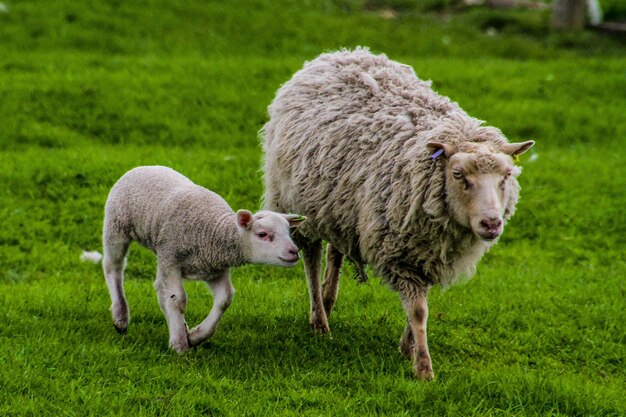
x=90 y=91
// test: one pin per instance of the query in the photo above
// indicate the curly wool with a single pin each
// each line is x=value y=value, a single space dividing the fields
x=346 y=146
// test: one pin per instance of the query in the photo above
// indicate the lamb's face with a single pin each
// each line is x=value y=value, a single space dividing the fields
x=481 y=187
x=267 y=238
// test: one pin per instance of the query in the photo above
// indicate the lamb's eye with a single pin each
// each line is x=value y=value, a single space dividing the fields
x=262 y=235
x=457 y=175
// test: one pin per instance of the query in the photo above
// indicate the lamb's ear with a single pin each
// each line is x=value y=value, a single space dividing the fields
x=244 y=219
x=517 y=148
x=294 y=220
x=437 y=148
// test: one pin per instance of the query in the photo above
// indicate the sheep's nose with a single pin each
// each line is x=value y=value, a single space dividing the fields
x=293 y=252
x=492 y=223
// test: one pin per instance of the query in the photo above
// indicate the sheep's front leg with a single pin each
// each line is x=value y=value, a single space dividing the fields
x=173 y=299
x=407 y=342
x=330 y=286
x=416 y=307
x=312 y=256
x=223 y=292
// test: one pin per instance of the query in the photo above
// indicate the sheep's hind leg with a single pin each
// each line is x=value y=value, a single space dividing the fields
x=172 y=300
x=223 y=292
x=330 y=287
x=312 y=256
x=416 y=307
x=113 y=264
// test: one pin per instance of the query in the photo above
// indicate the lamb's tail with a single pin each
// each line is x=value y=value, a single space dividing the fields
x=93 y=257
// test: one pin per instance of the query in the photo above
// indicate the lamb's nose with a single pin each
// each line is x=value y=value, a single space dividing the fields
x=293 y=252
x=491 y=223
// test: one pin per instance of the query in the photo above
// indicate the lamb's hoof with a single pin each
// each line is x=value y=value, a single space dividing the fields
x=121 y=330
x=181 y=350
x=194 y=338
x=180 y=346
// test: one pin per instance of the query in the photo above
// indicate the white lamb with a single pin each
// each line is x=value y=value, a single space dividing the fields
x=195 y=235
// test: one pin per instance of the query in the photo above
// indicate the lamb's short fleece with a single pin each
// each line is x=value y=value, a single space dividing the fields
x=195 y=235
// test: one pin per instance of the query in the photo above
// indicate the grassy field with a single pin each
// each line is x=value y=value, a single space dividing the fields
x=90 y=90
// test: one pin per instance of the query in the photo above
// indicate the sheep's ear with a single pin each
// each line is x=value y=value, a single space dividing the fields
x=437 y=148
x=244 y=219
x=294 y=220
x=517 y=148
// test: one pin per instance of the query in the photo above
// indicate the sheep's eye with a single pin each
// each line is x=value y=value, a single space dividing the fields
x=262 y=235
x=506 y=177
x=458 y=175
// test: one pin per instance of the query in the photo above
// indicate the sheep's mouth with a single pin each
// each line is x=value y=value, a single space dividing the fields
x=488 y=237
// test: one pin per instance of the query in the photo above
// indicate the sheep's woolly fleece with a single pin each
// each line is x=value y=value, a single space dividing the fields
x=346 y=146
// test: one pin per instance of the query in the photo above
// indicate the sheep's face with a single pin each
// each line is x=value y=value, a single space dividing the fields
x=266 y=237
x=481 y=185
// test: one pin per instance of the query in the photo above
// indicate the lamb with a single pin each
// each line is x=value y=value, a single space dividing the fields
x=195 y=235
x=390 y=174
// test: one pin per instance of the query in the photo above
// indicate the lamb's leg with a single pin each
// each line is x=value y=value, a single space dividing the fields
x=113 y=264
x=330 y=287
x=223 y=292
x=416 y=307
x=173 y=299
x=312 y=256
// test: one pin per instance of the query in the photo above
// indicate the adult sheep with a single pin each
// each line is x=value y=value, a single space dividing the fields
x=390 y=174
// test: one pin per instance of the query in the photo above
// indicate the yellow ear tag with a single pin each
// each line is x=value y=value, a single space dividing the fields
x=516 y=158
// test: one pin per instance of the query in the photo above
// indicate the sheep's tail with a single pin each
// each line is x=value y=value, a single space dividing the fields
x=93 y=257
x=359 y=274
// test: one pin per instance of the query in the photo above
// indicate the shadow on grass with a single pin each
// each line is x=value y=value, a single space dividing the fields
x=251 y=346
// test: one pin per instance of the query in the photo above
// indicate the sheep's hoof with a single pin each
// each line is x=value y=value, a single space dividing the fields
x=328 y=306
x=424 y=372
x=320 y=327
x=121 y=330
